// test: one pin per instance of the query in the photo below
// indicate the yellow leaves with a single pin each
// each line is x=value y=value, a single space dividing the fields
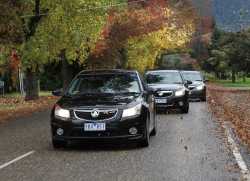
x=69 y=25
x=143 y=50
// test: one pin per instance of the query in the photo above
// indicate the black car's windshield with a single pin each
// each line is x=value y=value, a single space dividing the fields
x=164 y=78
x=192 y=76
x=104 y=84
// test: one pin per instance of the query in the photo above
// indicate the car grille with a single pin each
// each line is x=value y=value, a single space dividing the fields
x=103 y=114
x=164 y=94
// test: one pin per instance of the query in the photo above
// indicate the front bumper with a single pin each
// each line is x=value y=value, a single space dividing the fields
x=116 y=129
x=172 y=102
x=197 y=94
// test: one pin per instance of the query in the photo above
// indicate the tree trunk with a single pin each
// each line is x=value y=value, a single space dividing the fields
x=123 y=59
x=31 y=82
x=217 y=75
x=31 y=86
x=233 y=76
x=66 y=71
x=244 y=77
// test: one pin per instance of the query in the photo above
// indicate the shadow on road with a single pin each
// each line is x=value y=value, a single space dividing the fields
x=98 y=146
x=176 y=110
x=168 y=111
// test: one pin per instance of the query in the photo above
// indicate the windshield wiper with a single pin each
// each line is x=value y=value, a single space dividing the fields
x=129 y=93
x=91 y=94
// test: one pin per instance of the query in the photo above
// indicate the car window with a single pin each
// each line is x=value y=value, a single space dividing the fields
x=164 y=78
x=111 y=84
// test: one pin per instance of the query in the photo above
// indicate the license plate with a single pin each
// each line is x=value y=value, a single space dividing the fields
x=94 y=127
x=161 y=101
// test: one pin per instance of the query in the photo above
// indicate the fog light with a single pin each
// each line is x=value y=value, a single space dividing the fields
x=181 y=103
x=133 y=131
x=59 y=131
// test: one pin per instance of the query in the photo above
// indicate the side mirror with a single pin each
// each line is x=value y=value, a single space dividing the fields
x=206 y=80
x=150 y=90
x=188 y=82
x=58 y=92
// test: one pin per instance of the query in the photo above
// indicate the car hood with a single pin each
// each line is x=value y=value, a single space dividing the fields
x=196 y=83
x=171 y=87
x=97 y=101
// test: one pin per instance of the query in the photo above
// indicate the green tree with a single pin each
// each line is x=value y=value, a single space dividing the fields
x=229 y=52
x=66 y=32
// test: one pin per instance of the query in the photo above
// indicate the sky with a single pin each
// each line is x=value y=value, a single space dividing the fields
x=230 y=15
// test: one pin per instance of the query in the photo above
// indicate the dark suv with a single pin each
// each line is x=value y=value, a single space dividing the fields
x=198 y=87
x=104 y=105
x=170 y=89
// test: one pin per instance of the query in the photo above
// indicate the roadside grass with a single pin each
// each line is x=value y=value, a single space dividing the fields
x=238 y=84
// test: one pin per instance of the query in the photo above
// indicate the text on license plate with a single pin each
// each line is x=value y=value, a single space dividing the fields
x=94 y=127
x=161 y=101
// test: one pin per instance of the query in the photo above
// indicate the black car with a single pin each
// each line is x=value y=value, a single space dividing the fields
x=170 y=89
x=104 y=105
x=198 y=86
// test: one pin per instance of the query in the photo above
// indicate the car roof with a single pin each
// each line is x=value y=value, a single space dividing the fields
x=156 y=71
x=107 y=71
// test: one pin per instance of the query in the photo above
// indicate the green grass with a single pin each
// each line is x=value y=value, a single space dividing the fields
x=238 y=84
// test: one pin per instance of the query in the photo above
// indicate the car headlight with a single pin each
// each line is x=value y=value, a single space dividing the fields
x=62 y=113
x=180 y=93
x=200 y=87
x=133 y=111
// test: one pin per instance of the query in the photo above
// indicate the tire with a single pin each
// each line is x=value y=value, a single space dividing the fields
x=145 y=140
x=204 y=99
x=154 y=131
x=58 y=144
x=185 y=108
x=160 y=111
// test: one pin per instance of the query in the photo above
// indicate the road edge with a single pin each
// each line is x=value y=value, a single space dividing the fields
x=237 y=155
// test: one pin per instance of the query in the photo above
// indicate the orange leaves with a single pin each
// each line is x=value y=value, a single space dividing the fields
x=13 y=107
x=15 y=61
x=136 y=20
x=235 y=106
x=140 y=32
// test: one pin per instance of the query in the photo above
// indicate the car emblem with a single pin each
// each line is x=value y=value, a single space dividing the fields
x=95 y=113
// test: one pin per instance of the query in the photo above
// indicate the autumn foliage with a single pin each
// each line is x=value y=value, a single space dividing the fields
x=16 y=107
x=138 y=29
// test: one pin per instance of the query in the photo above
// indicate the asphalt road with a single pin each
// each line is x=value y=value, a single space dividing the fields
x=187 y=147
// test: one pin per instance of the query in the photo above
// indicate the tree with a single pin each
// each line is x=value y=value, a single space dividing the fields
x=10 y=24
x=136 y=36
x=65 y=34
x=229 y=52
